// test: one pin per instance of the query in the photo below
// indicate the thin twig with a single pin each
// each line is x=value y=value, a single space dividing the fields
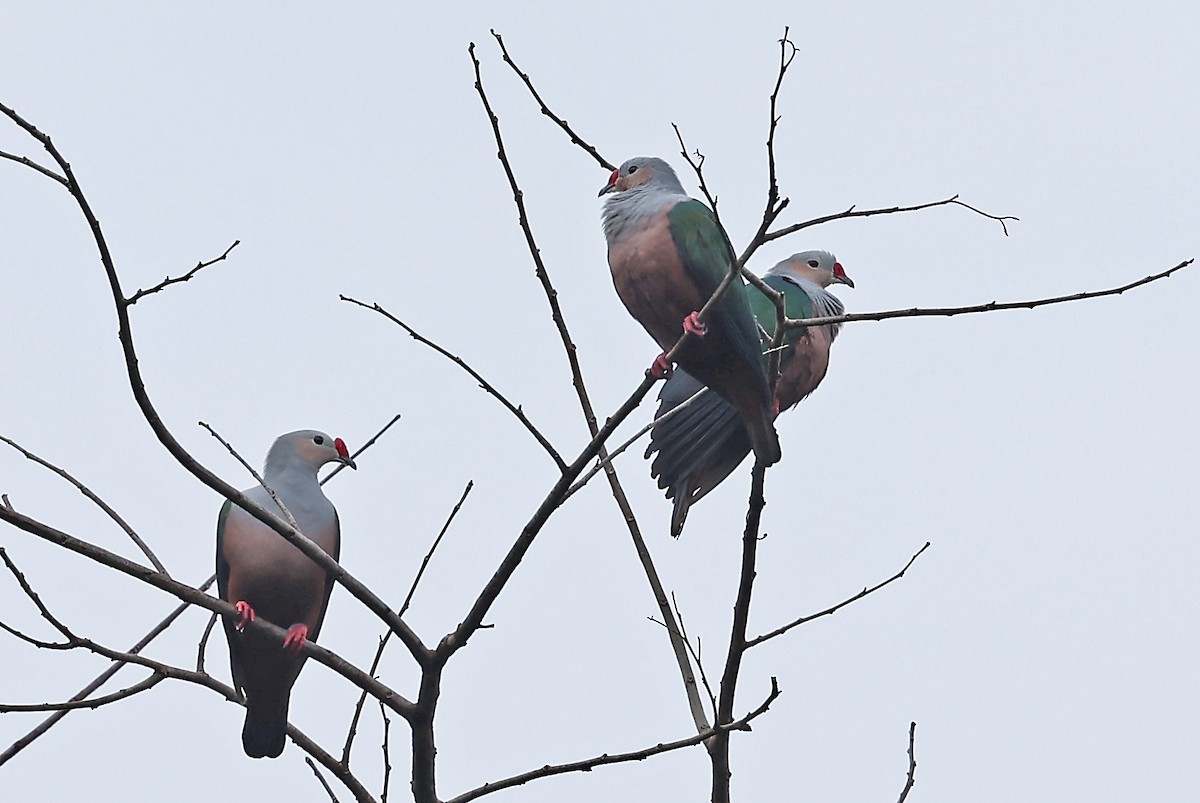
x=100 y=503
x=383 y=640
x=712 y=698
x=212 y=620
x=287 y=514
x=436 y=541
x=25 y=160
x=361 y=449
x=36 y=600
x=779 y=631
x=262 y=627
x=387 y=754
x=515 y=409
x=912 y=763
x=587 y=765
x=328 y=790
x=853 y=212
x=94 y=702
x=102 y=678
x=167 y=282
x=993 y=306
x=561 y=123
x=698 y=167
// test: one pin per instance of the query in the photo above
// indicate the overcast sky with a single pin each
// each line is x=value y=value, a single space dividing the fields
x=1046 y=643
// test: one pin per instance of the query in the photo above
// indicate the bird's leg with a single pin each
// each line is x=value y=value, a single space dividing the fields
x=295 y=637
x=693 y=326
x=245 y=615
x=660 y=368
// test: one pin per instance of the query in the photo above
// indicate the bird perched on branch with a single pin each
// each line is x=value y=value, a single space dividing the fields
x=266 y=577
x=668 y=254
x=700 y=445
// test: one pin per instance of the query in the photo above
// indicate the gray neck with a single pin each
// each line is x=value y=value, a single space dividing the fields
x=628 y=211
x=825 y=303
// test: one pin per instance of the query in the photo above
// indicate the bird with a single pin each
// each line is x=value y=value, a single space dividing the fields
x=264 y=576
x=698 y=447
x=668 y=254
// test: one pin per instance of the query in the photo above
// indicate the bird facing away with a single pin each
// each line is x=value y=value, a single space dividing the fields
x=668 y=254
x=702 y=444
x=264 y=576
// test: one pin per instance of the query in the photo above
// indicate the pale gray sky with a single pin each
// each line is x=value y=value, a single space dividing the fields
x=1046 y=643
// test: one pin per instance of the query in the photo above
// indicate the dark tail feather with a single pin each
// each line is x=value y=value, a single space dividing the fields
x=697 y=448
x=265 y=731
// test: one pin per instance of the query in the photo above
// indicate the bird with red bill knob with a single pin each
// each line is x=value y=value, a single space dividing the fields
x=668 y=254
x=265 y=577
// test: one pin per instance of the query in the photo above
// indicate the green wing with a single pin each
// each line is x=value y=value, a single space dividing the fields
x=796 y=302
x=707 y=255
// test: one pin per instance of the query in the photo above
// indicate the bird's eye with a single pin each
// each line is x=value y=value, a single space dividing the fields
x=632 y=169
x=318 y=440
x=812 y=263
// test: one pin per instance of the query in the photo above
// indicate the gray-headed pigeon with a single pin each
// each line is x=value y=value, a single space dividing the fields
x=668 y=254
x=264 y=576
x=700 y=445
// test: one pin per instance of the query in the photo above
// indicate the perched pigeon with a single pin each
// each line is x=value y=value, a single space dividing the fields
x=668 y=254
x=265 y=576
x=700 y=445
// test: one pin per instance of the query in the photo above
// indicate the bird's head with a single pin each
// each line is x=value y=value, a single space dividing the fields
x=309 y=446
x=641 y=171
x=821 y=267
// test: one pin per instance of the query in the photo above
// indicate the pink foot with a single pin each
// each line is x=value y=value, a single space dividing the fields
x=693 y=326
x=245 y=614
x=660 y=368
x=295 y=637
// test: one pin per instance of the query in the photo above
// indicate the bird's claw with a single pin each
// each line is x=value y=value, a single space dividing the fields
x=693 y=325
x=660 y=368
x=245 y=615
x=296 y=636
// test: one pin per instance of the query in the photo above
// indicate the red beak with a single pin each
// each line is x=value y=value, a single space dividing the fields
x=612 y=183
x=343 y=452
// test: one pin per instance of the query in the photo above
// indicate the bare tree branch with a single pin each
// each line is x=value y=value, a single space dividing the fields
x=25 y=160
x=852 y=212
x=354 y=456
x=312 y=765
x=589 y=764
x=718 y=746
x=102 y=678
x=992 y=306
x=95 y=702
x=184 y=592
x=212 y=620
x=912 y=763
x=154 y=632
x=287 y=514
x=515 y=409
x=561 y=123
x=589 y=415
x=611 y=456
x=697 y=165
x=167 y=282
x=383 y=640
x=387 y=754
x=100 y=503
x=779 y=631
x=336 y=572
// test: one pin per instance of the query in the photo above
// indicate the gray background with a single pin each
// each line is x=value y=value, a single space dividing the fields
x=1046 y=643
